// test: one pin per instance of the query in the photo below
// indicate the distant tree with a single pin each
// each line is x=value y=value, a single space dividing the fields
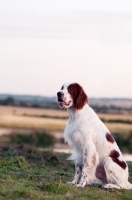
x=9 y=101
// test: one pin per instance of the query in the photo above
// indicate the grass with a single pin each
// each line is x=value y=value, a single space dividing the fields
x=37 y=139
x=123 y=121
x=12 y=110
x=28 y=173
x=14 y=121
x=124 y=141
x=47 y=116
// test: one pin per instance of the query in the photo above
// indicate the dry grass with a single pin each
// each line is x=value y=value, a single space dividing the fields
x=124 y=116
x=4 y=110
x=118 y=127
x=11 y=121
x=13 y=117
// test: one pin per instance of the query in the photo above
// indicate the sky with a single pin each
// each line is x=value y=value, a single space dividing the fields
x=45 y=43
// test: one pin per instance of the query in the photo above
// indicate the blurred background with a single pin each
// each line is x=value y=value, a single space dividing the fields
x=46 y=43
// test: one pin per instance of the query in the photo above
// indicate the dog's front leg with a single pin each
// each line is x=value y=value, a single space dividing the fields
x=89 y=163
x=78 y=172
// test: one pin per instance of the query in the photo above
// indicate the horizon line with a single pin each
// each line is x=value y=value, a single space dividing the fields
x=37 y=95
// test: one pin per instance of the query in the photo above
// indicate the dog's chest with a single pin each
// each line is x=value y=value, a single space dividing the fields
x=73 y=132
x=70 y=130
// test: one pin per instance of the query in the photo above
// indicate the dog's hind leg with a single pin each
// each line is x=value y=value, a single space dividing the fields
x=116 y=174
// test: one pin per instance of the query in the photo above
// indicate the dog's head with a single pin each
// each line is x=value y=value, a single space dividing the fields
x=72 y=94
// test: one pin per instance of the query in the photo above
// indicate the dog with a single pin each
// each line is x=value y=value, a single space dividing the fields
x=97 y=157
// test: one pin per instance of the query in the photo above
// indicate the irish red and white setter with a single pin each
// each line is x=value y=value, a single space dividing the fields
x=97 y=157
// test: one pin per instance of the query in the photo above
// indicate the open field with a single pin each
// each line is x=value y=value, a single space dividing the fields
x=14 y=117
x=31 y=118
x=11 y=121
x=124 y=116
x=28 y=173
x=4 y=110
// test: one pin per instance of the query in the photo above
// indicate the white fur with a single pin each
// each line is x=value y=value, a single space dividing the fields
x=86 y=135
x=67 y=100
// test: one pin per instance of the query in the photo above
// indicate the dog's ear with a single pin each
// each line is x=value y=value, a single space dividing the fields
x=81 y=97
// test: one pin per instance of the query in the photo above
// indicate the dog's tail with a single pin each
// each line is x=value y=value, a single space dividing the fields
x=129 y=186
x=72 y=157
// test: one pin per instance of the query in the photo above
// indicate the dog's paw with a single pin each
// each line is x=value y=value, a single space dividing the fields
x=71 y=183
x=107 y=186
x=80 y=185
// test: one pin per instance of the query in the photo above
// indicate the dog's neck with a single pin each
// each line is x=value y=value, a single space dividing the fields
x=73 y=112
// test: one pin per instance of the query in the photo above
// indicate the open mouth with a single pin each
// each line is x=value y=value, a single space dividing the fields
x=63 y=103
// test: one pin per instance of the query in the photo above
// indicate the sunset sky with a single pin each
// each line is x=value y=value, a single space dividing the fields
x=44 y=43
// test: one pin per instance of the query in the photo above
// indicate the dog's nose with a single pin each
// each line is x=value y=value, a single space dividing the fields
x=59 y=94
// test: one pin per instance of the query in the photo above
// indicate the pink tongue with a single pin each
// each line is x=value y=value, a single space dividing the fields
x=68 y=103
x=62 y=103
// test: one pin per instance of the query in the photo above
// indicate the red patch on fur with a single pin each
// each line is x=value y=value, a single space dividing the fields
x=78 y=95
x=110 y=138
x=114 y=155
x=100 y=173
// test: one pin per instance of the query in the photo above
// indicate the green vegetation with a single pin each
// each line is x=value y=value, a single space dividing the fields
x=124 y=141
x=37 y=139
x=28 y=101
x=28 y=173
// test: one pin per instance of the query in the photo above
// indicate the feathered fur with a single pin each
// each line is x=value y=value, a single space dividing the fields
x=97 y=156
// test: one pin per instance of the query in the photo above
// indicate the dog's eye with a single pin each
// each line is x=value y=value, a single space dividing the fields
x=70 y=89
